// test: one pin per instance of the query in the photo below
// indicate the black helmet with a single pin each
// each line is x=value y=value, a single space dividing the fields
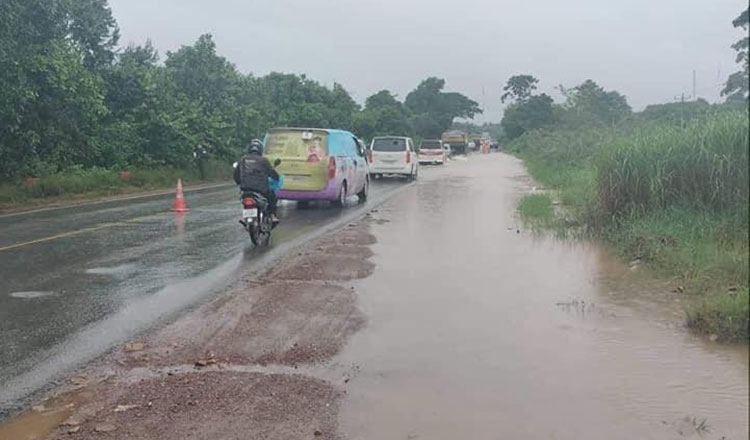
x=255 y=146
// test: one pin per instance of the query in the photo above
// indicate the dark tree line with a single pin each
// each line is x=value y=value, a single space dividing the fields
x=70 y=97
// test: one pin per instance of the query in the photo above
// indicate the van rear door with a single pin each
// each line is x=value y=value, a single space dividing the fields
x=304 y=157
x=390 y=153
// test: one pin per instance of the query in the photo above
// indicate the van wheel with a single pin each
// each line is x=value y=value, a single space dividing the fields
x=341 y=201
x=362 y=195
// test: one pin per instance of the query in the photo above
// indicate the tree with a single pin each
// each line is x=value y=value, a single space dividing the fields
x=435 y=110
x=519 y=88
x=533 y=113
x=590 y=102
x=383 y=115
x=736 y=87
x=52 y=98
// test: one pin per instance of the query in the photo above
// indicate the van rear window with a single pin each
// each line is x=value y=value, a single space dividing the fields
x=430 y=145
x=311 y=146
x=389 y=144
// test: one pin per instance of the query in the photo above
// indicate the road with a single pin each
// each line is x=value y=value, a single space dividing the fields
x=436 y=316
x=76 y=280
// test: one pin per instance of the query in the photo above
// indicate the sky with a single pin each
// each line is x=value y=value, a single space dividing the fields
x=645 y=49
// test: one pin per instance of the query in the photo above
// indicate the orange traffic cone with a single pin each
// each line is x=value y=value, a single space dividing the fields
x=179 y=199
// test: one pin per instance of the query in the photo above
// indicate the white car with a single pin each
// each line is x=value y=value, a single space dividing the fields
x=432 y=151
x=393 y=155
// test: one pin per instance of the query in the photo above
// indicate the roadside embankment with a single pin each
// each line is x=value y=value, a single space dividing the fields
x=81 y=185
x=673 y=199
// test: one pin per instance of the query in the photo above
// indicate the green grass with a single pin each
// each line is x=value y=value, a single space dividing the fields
x=537 y=209
x=677 y=198
x=725 y=315
x=81 y=184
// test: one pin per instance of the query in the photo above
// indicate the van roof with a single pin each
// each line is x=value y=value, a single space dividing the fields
x=327 y=130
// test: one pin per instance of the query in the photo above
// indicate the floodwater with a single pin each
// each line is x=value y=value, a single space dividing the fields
x=479 y=331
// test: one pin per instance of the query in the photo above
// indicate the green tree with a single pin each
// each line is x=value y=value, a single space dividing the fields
x=383 y=115
x=51 y=98
x=435 y=110
x=736 y=87
x=533 y=113
x=519 y=88
x=589 y=102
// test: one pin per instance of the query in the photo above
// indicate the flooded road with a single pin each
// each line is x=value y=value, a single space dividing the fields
x=74 y=281
x=477 y=328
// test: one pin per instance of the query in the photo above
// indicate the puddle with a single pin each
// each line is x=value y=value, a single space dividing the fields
x=31 y=294
x=477 y=333
x=122 y=269
x=38 y=422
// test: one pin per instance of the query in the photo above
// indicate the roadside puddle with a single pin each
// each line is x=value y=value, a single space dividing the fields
x=39 y=421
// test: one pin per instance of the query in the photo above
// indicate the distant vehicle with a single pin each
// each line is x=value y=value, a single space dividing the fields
x=431 y=151
x=393 y=155
x=319 y=164
x=458 y=140
x=495 y=145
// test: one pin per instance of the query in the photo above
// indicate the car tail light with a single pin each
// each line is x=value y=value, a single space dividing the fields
x=331 y=167
x=248 y=203
x=369 y=155
x=408 y=156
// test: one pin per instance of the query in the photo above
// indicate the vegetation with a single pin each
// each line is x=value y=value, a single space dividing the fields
x=75 y=107
x=668 y=186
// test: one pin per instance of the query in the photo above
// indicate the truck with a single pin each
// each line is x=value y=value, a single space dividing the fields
x=457 y=139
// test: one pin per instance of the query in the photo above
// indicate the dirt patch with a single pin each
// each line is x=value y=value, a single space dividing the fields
x=342 y=257
x=323 y=267
x=217 y=405
x=281 y=323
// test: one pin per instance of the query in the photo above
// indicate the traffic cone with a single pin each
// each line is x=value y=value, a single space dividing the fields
x=179 y=199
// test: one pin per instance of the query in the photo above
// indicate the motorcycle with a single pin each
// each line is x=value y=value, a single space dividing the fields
x=256 y=219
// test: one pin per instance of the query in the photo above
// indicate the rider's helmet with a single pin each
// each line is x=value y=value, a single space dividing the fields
x=255 y=146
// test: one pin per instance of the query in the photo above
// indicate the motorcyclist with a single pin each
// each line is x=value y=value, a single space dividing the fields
x=252 y=173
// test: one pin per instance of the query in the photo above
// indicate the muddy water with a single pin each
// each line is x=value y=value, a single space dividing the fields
x=478 y=331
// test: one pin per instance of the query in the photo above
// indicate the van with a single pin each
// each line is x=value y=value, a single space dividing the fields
x=432 y=151
x=318 y=164
x=393 y=155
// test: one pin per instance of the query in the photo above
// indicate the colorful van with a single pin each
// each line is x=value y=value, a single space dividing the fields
x=318 y=164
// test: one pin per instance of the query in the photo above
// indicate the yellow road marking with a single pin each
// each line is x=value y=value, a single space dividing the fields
x=76 y=232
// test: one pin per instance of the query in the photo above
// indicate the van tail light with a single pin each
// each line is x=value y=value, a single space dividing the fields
x=369 y=156
x=331 y=167
x=248 y=202
x=408 y=156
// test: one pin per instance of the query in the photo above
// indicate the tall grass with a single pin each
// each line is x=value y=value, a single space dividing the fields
x=704 y=166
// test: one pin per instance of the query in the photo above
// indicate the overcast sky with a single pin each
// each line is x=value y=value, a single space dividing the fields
x=645 y=49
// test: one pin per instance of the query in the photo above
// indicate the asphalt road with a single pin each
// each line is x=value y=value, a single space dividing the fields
x=74 y=281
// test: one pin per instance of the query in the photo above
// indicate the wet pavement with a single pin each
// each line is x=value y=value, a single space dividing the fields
x=77 y=280
x=477 y=328
x=436 y=316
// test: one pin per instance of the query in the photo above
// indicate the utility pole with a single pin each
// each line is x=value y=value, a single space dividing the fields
x=694 y=97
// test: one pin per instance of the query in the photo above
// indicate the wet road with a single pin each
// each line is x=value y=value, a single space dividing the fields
x=477 y=331
x=75 y=281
